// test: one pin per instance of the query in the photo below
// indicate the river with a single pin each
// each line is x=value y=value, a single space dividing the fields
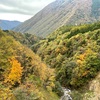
x=66 y=95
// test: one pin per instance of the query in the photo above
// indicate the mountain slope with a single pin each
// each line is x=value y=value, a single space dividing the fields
x=7 y=25
x=26 y=39
x=23 y=76
x=61 y=12
x=73 y=52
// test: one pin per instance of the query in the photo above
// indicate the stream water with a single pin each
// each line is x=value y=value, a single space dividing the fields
x=66 y=95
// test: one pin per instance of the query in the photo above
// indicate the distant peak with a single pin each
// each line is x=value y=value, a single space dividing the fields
x=60 y=0
x=63 y=1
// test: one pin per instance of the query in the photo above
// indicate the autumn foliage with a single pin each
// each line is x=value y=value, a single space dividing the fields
x=20 y=67
x=15 y=72
x=74 y=51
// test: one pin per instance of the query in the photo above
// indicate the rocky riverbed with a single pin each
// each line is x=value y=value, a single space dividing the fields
x=66 y=95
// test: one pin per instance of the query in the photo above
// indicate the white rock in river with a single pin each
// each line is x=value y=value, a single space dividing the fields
x=66 y=95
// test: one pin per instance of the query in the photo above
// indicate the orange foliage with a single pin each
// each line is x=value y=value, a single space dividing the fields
x=79 y=62
x=15 y=73
x=81 y=57
x=85 y=73
x=61 y=50
x=58 y=50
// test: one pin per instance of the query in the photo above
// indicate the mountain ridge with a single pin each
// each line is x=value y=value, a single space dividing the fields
x=59 y=13
x=7 y=24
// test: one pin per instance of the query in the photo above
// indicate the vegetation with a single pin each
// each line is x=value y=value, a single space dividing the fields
x=70 y=58
x=26 y=38
x=74 y=51
x=23 y=76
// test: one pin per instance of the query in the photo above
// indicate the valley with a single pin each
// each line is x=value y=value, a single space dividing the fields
x=70 y=58
x=55 y=55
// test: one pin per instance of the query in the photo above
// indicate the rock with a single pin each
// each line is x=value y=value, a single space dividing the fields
x=66 y=95
x=95 y=88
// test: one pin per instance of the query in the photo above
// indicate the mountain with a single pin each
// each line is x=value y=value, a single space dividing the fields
x=59 y=13
x=7 y=25
x=70 y=55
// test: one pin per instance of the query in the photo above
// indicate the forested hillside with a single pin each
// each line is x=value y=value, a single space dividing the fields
x=70 y=57
x=26 y=38
x=74 y=51
x=23 y=76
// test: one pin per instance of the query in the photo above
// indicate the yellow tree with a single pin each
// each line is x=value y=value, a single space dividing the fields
x=15 y=72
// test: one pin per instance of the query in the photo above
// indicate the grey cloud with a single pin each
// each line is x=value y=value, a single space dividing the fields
x=27 y=7
x=17 y=11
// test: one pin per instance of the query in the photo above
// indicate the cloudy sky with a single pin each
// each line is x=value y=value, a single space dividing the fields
x=21 y=9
